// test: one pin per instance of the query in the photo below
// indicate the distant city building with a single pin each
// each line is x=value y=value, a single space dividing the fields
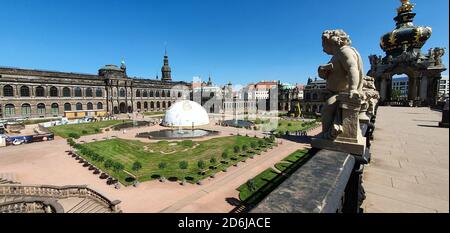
x=443 y=87
x=400 y=85
x=314 y=97
x=26 y=93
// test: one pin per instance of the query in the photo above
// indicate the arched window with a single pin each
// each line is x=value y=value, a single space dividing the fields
x=10 y=110
x=164 y=104
x=78 y=92
x=122 y=92
x=67 y=107
x=66 y=92
x=152 y=105
x=26 y=110
x=158 y=105
x=79 y=107
x=169 y=104
x=89 y=92
x=55 y=109
x=8 y=91
x=41 y=109
x=24 y=91
x=157 y=93
x=90 y=106
x=138 y=93
x=53 y=92
x=145 y=94
x=163 y=94
x=145 y=105
x=179 y=94
x=152 y=94
x=40 y=92
x=99 y=105
x=99 y=92
x=168 y=93
x=138 y=105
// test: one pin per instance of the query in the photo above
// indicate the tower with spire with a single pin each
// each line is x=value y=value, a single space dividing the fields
x=165 y=70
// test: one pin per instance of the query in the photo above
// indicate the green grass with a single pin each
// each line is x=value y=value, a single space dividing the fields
x=260 y=180
x=282 y=126
x=268 y=180
x=150 y=155
x=153 y=113
x=82 y=129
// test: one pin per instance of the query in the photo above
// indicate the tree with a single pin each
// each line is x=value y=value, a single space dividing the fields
x=244 y=148
x=213 y=160
x=118 y=166
x=253 y=145
x=201 y=164
x=108 y=163
x=225 y=154
x=183 y=165
x=137 y=166
x=237 y=149
x=396 y=94
x=261 y=143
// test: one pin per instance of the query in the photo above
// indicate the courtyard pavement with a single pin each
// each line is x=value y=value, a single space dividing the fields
x=47 y=163
x=409 y=171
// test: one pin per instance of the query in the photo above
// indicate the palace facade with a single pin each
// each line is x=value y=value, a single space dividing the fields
x=26 y=93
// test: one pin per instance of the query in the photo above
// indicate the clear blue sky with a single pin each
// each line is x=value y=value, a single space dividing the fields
x=235 y=40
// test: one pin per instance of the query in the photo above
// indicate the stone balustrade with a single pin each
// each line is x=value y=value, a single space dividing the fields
x=56 y=192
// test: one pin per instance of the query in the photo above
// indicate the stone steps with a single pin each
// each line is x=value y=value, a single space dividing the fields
x=89 y=206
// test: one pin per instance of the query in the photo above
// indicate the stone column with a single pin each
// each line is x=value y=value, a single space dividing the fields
x=423 y=88
x=383 y=90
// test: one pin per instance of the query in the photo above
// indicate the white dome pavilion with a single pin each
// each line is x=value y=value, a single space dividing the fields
x=186 y=114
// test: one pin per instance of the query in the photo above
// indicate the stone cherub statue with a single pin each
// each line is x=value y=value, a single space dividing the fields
x=344 y=74
x=371 y=95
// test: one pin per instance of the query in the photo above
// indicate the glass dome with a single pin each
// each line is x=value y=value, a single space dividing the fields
x=186 y=114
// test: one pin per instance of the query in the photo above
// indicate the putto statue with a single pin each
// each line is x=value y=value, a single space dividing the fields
x=345 y=80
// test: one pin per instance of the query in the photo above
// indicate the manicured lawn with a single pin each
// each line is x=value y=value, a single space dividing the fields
x=151 y=155
x=259 y=181
x=38 y=121
x=153 y=113
x=281 y=126
x=82 y=129
x=268 y=180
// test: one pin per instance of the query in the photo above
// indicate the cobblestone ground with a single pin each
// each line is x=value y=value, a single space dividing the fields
x=409 y=171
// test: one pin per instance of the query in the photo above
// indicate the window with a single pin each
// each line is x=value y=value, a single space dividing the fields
x=99 y=92
x=179 y=94
x=164 y=104
x=138 y=105
x=158 y=105
x=99 y=105
x=168 y=93
x=25 y=91
x=138 y=93
x=26 y=110
x=10 y=110
x=55 y=109
x=152 y=105
x=90 y=106
x=41 y=109
x=40 y=92
x=78 y=92
x=67 y=107
x=145 y=94
x=66 y=92
x=89 y=92
x=157 y=93
x=79 y=107
x=152 y=94
x=8 y=91
x=122 y=92
x=53 y=92
x=146 y=105
x=169 y=104
x=163 y=94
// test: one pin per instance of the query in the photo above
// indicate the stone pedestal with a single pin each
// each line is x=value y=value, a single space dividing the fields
x=351 y=139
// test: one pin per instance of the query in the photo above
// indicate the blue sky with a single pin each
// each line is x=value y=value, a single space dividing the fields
x=240 y=41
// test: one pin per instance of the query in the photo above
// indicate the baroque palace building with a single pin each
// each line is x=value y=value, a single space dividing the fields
x=26 y=93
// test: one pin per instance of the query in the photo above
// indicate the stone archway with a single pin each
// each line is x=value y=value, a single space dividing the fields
x=123 y=108
x=404 y=56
